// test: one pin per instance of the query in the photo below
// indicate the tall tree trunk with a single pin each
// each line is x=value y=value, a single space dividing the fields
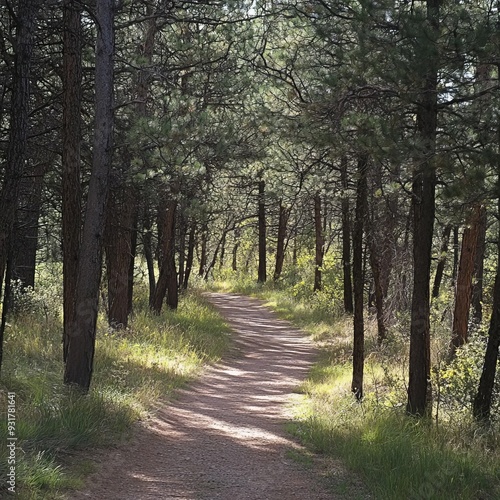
x=80 y=355
x=423 y=203
x=463 y=293
x=346 y=240
x=280 y=246
x=262 y=275
x=18 y=138
x=319 y=242
x=358 y=356
x=167 y=280
x=72 y=138
x=477 y=289
x=438 y=278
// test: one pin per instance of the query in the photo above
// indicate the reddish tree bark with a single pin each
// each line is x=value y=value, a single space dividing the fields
x=463 y=291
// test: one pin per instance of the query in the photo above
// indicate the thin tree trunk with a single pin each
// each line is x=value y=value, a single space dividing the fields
x=319 y=242
x=280 y=247
x=455 y=256
x=190 y=255
x=182 y=249
x=80 y=355
x=148 y=254
x=237 y=235
x=358 y=356
x=133 y=254
x=477 y=289
x=262 y=275
x=438 y=278
x=378 y=292
x=203 y=254
x=222 y=251
x=484 y=396
x=463 y=293
x=423 y=203
x=346 y=240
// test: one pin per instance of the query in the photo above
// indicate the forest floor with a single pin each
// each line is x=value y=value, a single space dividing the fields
x=224 y=437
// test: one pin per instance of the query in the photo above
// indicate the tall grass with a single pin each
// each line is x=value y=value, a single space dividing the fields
x=134 y=369
x=397 y=456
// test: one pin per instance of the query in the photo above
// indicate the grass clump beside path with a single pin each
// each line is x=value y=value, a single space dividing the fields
x=396 y=456
x=134 y=369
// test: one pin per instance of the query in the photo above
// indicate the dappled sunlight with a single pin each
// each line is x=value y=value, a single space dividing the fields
x=224 y=436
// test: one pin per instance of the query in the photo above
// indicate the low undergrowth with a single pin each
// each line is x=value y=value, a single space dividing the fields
x=134 y=369
x=396 y=456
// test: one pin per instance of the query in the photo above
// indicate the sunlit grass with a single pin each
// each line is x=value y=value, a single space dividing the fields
x=133 y=370
x=396 y=456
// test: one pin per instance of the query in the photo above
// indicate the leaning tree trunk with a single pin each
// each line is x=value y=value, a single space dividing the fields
x=423 y=204
x=463 y=289
x=319 y=242
x=484 y=396
x=438 y=278
x=262 y=275
x=346 y=240
x=80 y=355
x=72 y=138
x=18 y=139
x=358 y=356
x=190 y=255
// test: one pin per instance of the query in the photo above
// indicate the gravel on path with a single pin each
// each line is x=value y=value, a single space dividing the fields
x=223 y=437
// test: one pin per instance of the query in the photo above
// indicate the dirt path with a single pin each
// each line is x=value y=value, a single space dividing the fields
x=223 y=438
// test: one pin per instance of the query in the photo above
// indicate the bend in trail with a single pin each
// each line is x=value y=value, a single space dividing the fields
x=223 y=438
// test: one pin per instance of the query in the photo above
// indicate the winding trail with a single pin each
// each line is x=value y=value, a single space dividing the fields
x=223 y=438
